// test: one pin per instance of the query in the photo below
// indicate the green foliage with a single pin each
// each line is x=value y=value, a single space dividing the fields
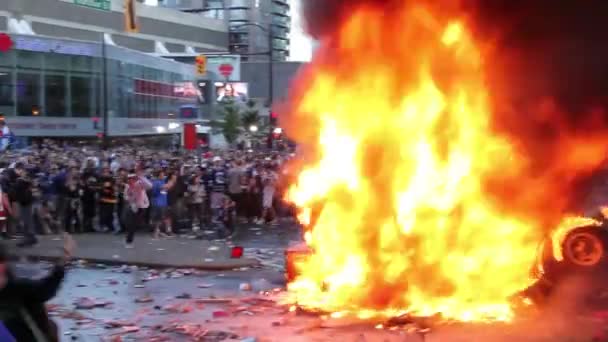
x=251 y=116
x=229 y=121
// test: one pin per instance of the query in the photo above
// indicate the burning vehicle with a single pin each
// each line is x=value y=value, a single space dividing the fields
x=443 y=157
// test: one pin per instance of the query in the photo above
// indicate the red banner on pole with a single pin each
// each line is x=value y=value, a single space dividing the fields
x=189 y=136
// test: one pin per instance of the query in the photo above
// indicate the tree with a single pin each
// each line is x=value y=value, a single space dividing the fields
x=251 y=116
x=229 y=123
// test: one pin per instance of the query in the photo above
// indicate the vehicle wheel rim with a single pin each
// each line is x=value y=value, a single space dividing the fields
x=584 y=249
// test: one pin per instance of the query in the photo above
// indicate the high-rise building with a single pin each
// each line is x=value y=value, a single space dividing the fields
x=247 y=39
x=250 y=22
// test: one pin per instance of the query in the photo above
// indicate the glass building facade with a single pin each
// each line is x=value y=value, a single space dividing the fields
x=57 y=78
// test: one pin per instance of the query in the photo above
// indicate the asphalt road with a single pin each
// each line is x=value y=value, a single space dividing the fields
x=167 y=295
x=175 y=308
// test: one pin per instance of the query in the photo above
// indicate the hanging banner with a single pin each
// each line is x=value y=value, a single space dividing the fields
x=189 y=136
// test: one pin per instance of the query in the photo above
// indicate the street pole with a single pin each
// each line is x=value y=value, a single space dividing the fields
x=104 y=61
x=270 y=67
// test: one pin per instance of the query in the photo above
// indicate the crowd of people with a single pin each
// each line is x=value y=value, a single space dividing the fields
x=51 y=188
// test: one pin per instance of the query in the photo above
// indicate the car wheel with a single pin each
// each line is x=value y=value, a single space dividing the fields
x=584 y=247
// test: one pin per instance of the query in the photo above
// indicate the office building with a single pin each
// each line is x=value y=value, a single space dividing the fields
x=250 y=41
x=52 y=79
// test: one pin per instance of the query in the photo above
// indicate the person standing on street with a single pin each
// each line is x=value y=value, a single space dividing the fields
x=24 y=199
x=137 y=203
x=218 y=190
x=235 y=189
x=196 y=197
x=107 y=201
x=160 y=214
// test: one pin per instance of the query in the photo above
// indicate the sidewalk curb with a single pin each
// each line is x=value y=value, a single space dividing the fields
x=208 y=266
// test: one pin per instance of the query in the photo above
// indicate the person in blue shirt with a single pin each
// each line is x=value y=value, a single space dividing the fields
x=160 y=213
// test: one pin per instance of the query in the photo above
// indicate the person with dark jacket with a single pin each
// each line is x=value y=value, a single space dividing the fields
x=22 y=301
x=24 y=198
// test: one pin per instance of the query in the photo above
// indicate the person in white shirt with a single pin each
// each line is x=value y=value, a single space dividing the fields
x=137 y=200
x=269 y=179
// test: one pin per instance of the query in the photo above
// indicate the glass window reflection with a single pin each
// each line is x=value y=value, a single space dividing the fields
x=28 y=94
x=81 y=96
x=55 y=95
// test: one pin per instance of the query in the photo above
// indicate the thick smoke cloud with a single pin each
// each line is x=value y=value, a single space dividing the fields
x=560 y=45
x=324 y=16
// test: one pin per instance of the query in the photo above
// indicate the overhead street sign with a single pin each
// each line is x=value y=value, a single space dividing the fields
x=103 y=5
x=226 y=70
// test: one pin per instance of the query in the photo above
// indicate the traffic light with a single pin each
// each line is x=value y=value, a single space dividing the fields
x=273 y=118
x=201 y=64
x=131 y=24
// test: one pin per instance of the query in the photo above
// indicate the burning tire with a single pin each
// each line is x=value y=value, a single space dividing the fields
x=584 y=247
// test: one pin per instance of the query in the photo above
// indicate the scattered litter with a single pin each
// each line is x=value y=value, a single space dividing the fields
x=219 y=314
x=144 y=299
x=177 y=308
x=139 y=286
x=208 y=260
x=160 y=249
x=113 y=324
x=213 y=300
x=204 y=286
x=85 y=303
x=213 y=248
x=177 y=274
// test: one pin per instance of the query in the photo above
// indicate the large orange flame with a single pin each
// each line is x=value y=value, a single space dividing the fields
x=400 y=119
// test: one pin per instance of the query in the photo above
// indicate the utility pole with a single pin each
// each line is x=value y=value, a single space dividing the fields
x=104 y=76
x=270 y=66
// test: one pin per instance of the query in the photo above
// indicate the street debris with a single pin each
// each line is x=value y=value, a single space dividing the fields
x=213 y=300
x=144 y=299
x=177 y=308
x=85 y=303
x=219 y=314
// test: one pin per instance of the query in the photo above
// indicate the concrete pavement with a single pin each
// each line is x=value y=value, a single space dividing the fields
x=261 y=243
x=167 y=252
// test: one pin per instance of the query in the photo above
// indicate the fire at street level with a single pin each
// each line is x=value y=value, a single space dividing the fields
x=431 y=200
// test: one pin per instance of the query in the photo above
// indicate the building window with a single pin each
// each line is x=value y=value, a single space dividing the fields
x=239 y=38
x=7 y=102
x=28 y=94
x=81 y=96
x=239 y=14
x=29 y=60
x=55 y=95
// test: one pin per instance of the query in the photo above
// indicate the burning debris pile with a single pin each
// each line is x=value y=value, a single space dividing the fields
x=440 y=154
